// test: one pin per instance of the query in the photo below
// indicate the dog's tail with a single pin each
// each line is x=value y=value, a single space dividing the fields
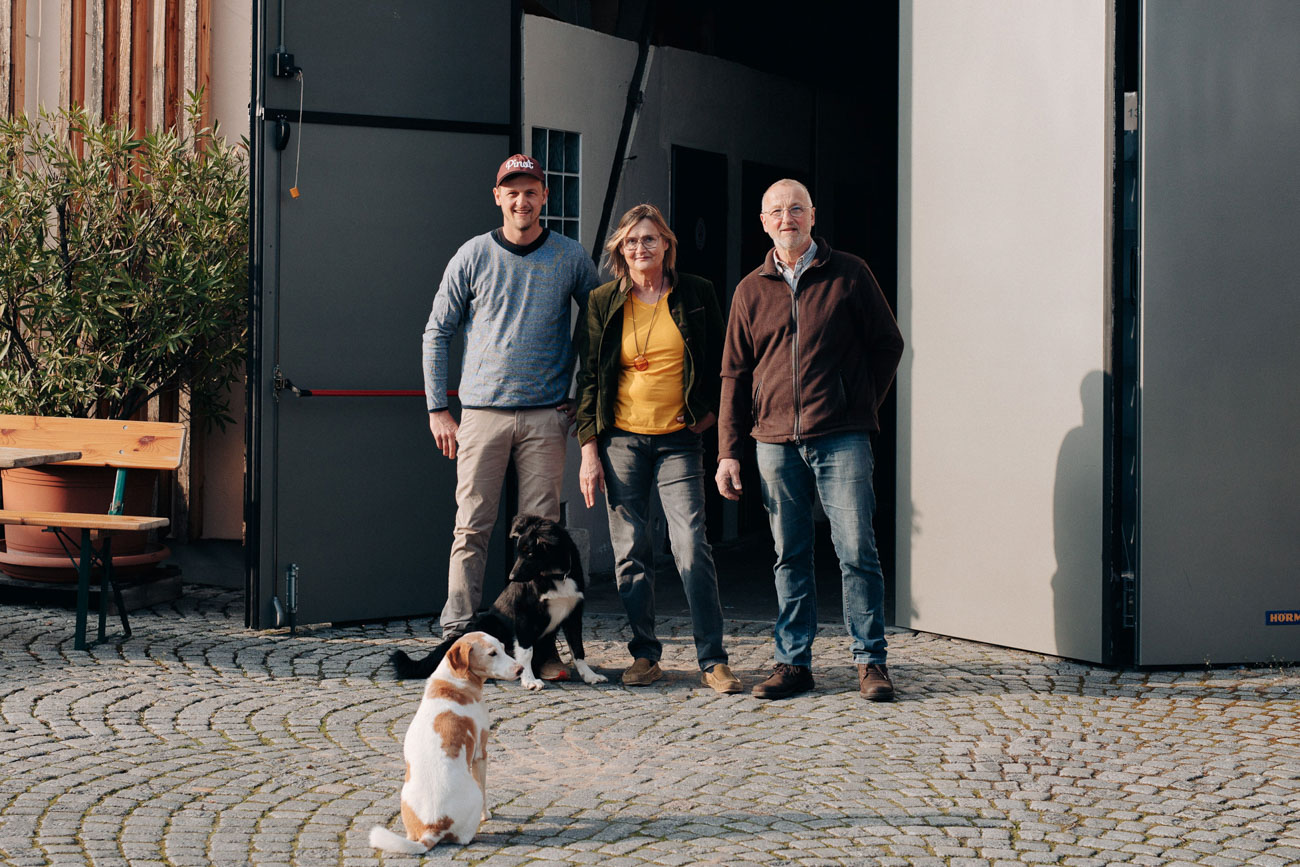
x=407 y=668
x=382 y=838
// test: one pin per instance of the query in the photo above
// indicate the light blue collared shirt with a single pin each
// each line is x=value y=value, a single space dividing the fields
x=792 y=275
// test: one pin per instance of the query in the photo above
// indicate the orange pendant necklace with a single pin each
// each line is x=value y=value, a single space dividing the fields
x=639 y=361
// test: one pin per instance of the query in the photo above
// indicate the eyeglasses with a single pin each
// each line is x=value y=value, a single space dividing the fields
x=647 y=243
x=795 y=212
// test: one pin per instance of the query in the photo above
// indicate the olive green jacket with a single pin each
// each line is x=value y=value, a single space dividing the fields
x=598 y=340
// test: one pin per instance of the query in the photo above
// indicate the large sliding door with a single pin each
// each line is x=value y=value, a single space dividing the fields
x=1005 y=184
x=1219 y=520
x=407 y=107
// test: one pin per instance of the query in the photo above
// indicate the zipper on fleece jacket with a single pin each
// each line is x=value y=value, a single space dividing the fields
x=794 y=356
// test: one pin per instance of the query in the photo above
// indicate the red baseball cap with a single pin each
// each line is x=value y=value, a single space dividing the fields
x=520 y=164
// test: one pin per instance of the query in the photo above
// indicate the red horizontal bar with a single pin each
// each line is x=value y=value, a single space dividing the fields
x=347 y=392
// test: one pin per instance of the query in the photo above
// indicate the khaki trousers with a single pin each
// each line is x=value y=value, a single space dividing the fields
x=485 y=443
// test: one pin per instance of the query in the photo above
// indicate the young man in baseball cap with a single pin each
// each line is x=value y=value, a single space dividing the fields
x=523 y=281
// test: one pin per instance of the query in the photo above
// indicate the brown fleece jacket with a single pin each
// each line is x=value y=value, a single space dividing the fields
x=798 y=365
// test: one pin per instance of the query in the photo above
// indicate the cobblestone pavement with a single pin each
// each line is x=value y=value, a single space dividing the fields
x=198 y=742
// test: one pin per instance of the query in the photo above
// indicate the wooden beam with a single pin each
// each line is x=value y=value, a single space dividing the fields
x=157 y=63
x=112 y=55
x=203 y=59
x=172 y=36
x=141 y=41
x=95 y=59
x=122 y=111
x=18 y=58
x=65 y=55
x=6 y=63
x=77 y=84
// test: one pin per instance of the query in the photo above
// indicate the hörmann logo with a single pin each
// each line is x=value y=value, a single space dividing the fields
x=1282 y=618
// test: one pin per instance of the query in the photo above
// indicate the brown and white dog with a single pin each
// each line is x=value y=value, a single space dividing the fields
x=444 y=797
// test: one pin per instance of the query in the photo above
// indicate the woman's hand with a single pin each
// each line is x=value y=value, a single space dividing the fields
x=591 y=475
x=703 y=424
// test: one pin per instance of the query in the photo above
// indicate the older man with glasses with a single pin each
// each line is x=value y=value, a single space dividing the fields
x=811 y=351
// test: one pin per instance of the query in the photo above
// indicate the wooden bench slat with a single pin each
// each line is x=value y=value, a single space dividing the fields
x=15 y=458
x=77 y=520
x=151 y=445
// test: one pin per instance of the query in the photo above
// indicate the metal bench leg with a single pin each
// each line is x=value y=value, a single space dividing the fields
x=111 y=577
x=104 y=576
x=83 y=589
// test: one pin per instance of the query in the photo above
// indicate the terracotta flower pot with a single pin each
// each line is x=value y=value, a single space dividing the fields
x=54 y=488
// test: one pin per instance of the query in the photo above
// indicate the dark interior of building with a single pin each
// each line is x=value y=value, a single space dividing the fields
x=846 y=50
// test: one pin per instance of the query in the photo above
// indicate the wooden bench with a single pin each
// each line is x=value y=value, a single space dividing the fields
x=123 y=445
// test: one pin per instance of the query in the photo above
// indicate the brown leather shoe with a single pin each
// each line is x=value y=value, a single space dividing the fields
x=785 y=681
x=721 y=678
x=874 y=682
x=642 y=672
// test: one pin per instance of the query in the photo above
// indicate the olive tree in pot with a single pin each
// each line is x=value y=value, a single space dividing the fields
x=123 y=276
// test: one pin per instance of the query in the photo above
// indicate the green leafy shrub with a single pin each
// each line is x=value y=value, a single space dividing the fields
x=123 y=269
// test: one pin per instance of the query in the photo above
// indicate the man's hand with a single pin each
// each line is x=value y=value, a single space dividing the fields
x=703 y=424
x=591 y=475
x=444 y=430
x=728 y=478
x=570 y=411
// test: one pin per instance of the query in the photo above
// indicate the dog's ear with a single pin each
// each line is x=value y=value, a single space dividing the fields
x=521 y=525
x=458 y=659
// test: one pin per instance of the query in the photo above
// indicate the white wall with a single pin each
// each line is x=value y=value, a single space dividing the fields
x=1003 y=285
x=232 y=65
x=231 y=88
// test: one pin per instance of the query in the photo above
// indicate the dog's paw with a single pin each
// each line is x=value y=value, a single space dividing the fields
x=588 y=676
x=533 y=683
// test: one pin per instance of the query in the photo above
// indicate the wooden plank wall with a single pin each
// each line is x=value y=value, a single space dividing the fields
x=129 y=59
x=133 y=61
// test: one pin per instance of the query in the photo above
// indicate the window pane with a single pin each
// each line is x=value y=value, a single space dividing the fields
x=571 y=152
x=539 y=145
x=571 y=202
x=555 y=184
x=571 y=229
x=555 y=152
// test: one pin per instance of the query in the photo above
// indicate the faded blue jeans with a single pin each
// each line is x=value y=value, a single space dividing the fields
x=836 y=467
x=634 y=465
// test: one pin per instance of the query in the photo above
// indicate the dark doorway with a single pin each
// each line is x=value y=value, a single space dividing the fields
x=699 y=219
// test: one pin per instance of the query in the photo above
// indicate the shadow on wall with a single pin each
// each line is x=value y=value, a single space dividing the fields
x=1077 y=583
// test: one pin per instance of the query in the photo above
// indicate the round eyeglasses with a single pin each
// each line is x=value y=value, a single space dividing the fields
x=795 y=212
x=647 y=242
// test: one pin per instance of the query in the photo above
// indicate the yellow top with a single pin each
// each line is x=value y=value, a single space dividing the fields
x=650 y=401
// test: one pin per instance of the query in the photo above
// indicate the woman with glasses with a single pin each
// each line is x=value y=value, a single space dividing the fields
x=650 y=353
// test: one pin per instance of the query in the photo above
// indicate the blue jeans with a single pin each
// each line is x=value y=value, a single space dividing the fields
x=634 y=465
x=836 y=467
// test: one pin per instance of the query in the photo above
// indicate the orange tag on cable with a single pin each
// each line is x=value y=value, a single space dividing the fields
x=293 y=191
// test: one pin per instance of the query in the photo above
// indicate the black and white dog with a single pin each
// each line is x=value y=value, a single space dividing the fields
x=543 y=593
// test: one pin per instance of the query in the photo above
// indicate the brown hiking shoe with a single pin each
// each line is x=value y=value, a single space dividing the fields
x=786 y=680
x=642 y=672
x=721 y=679
x=874 y=682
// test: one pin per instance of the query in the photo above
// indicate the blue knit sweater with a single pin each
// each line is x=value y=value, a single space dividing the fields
x=515 y=310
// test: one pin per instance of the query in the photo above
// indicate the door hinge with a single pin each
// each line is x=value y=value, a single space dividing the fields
x=1129 y=589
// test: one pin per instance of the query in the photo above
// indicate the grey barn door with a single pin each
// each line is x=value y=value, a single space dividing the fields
x=407 y=107
x=1219 y=515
